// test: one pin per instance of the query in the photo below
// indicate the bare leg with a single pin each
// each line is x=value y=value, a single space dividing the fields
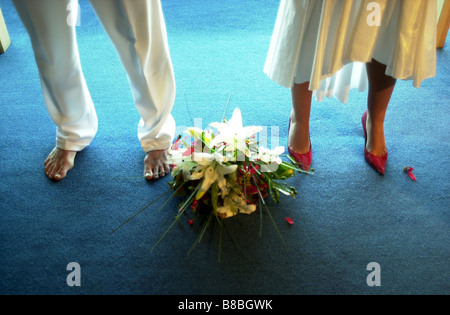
x=156 y=164
x=381 y=87
x=58 y=163
x=301 y=103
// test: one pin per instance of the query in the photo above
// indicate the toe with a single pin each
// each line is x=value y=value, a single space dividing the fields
x=148 y=175
x=156 y=173
x=50 y=171
x=59 y=163
x=61 y=173
x=47 y=168
x=156 y=163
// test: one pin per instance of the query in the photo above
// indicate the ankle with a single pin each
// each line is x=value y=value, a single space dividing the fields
x=376 y=144
x=299 y=140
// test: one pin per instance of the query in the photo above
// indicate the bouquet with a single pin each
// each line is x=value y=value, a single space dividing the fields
x=224 y=172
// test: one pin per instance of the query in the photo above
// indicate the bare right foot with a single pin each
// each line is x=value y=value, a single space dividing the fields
x=156 y=164
x=58 y=163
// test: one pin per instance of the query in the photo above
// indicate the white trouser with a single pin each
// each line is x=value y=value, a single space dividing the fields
x=138 y=32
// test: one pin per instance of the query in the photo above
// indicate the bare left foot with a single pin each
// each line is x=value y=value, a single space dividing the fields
x=299 y=139
x=376 y=143
x=156 y=165
x=58 y=163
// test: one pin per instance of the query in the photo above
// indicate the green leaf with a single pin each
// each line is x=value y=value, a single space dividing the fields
x=215 y=196
x=282 y=188
x=200 y=237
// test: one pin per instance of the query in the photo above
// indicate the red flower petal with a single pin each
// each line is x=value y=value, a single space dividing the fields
x=412 y=176
x=410 y=172
x=188 y=152
x=191 y=221
x=290 y=221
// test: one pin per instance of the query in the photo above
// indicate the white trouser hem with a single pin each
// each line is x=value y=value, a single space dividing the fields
x=160 y=144
x=70 y=146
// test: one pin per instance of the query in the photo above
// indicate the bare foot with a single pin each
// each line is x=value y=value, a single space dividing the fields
x=299 y=137
x=376 y=143
x=156 y=164
x=58 y=163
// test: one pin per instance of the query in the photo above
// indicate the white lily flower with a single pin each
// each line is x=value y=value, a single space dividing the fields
x=176 y=156
x=212 y=173
x=196 y=133
x=234 y=134
x=200 y=170
x=225 y=212
x=177 y=159
x=200 y=135
x=239 y=201
x=270 y=156
x=204 y=158
x=198 y=173
x=234 y=200
x=210 y=176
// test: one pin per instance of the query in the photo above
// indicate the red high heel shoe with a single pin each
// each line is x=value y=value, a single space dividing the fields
x=377 y=162
x=304 y=160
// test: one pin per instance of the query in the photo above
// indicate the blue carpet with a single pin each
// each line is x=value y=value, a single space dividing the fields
x=346 y=215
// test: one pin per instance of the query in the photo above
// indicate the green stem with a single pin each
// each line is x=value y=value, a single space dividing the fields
x=183 y=209
x=270 y=216
x=235 y=242
x=205 y=227
x=140 y=211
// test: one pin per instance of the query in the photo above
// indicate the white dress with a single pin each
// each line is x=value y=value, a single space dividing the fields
x=327 y=42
